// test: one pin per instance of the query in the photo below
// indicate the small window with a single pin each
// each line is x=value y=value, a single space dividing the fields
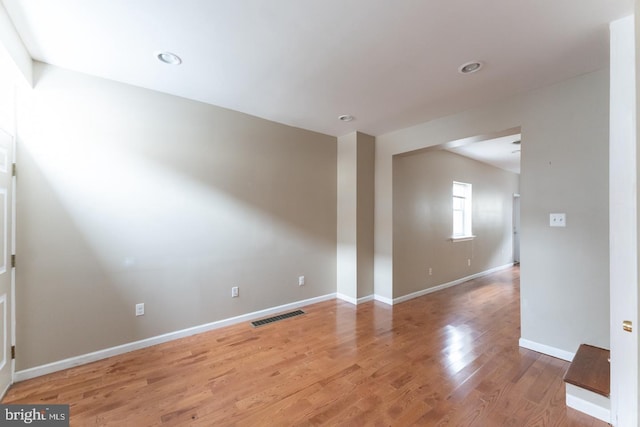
x=461 y=211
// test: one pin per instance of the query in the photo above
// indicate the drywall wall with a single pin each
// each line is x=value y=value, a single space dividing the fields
x=12 y=50
x=131 y=196
x=564 y=168
x=365 y=179
x=422 y=219
x=356 y=153
x=347 y=218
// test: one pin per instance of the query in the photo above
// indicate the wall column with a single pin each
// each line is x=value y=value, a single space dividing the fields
x=356 y=153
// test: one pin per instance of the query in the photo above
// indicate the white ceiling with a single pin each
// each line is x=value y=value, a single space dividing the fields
x=390 y=64
x=499 y=152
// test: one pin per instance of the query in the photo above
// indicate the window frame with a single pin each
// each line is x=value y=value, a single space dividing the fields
x=462 y=205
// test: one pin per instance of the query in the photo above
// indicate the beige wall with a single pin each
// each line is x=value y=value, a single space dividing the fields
x=422 y=219
x=366 y=191
x=565 y=168
x=565 y=272
x=347 y=218
x=356 y=153
x=126 y=195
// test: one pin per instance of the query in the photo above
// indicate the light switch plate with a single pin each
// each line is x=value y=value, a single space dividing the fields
x=557 y=220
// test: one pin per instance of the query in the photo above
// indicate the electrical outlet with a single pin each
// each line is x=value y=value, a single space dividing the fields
x=469 y=262
x=430 y=271
x=557 y=220
x=234 y=292
x=140 y=309
x=301 y=281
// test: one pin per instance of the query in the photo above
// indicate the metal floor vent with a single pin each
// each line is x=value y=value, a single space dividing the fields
x=272 y=319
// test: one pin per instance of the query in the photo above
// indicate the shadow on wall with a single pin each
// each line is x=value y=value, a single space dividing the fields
x=79 y=300
x=168 y=202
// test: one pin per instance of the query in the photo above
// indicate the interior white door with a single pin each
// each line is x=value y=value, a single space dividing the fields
x=6 y=185
x=623 y=229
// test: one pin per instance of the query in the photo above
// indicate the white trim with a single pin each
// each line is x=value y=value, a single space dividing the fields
x=588 y=407
x=347 y=298
x=449 y=284
x=546 y=349
x=4 y=158
x=5 y=225
x=5 y=337
x=382 y=299
x=12 y=301
x=148 y=342
x=368 y=298
x=354 y=301
x=4 y=392
x=462 y=238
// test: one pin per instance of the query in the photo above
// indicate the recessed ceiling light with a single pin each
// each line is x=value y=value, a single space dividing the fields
x=470 y=67
x=517 y=142
x=346 y=117
x=169 y=58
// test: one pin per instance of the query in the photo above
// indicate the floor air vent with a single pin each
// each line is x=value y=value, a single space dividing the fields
x=268 y=320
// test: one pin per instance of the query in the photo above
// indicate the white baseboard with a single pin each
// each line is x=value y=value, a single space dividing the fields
x=368 y=298
x=546 y=349
x=589 y=403
x=354 y=301
x=385 y=300
x=4 y=391
x=449 y=284
x=347 y=298
x=148 y=342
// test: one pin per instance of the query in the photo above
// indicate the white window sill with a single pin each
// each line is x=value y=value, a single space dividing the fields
x=462 y=238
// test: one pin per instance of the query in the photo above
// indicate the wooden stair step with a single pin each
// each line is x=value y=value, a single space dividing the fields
x=590 y=369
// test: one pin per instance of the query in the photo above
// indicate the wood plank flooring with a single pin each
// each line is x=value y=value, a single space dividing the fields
x=450 y=358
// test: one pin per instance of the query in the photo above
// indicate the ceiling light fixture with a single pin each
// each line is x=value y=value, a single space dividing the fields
x=346 y=117
x=169 y=58
x=470 y=67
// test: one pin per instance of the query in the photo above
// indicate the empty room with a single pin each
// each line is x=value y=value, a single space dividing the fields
x=318 y=213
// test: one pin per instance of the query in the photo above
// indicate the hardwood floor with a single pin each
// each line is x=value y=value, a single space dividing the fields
x=450 y=358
